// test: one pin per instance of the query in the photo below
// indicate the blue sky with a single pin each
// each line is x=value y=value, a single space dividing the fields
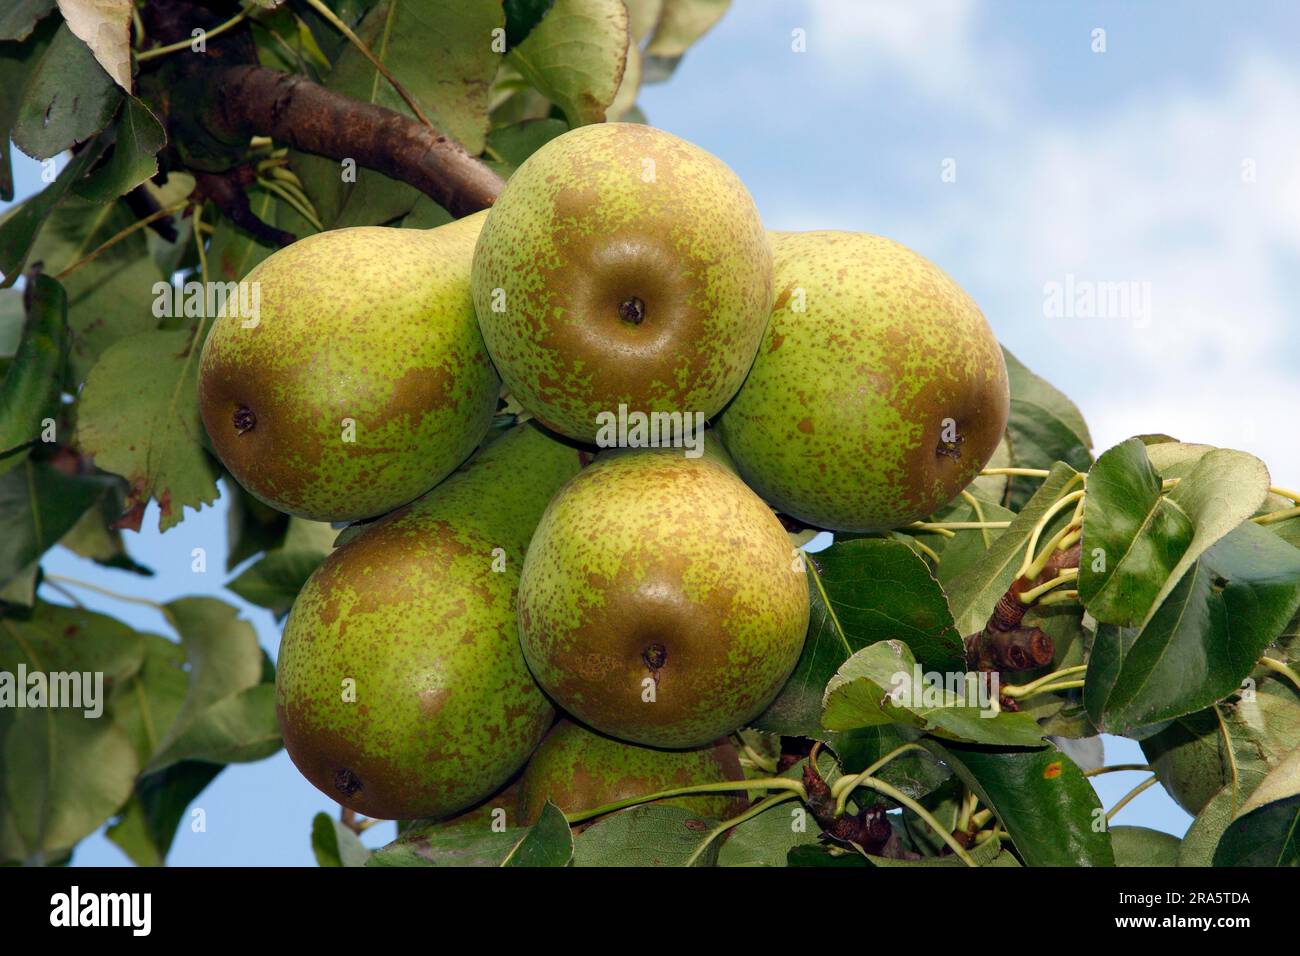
x=1116 y=166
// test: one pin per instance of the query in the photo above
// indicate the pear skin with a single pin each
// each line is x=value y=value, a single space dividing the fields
x=661 y=601
x=362 y=382
x=622 y=265
x=401 y=689
x=579 y=769
x=879 y=391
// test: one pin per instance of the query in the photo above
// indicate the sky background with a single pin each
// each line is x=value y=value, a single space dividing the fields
x=1117 y=166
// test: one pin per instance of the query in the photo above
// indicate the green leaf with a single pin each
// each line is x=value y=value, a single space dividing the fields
x=442 y=55
x=63 y=777
x=31 y=389
x=1138 y=846
x=1042 y=799
x=549 y=841
x=139 y=418
x=240 y=728
x=111 y=296
x=137 y=138
x=251 y=526
x=335 y=844
x=1203 y=640
x=877 y=685
x=647 y=835
x=766 y=839
x=974 y=593
x=517 y=142
x=863 y=591
x=95 y=535
x=17 y=54
x=680 y=25
x=63 y=771
x=1202 y=837
x=472 y=844
x=67 y=99
x=105 y=27
x=147 y=825
x=220 y=718
x=149 y=703
x=1043 y=427
x=38 y=505
x=1242 y=738
x=576 y=57
x=275 y=580
x=22 y=224
x=1266 y=831
x=20 y=18
x=1138 y=542
x=824 y=856
x=522 y=16
x=968 y=548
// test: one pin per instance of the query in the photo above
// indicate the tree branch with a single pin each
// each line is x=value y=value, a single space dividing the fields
x=255 y=101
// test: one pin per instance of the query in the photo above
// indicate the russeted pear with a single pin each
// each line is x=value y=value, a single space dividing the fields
x=361 y=381
x=579 y=769
x=622 y=265
x=879 y=391
x=661 y=601
x=401 y=689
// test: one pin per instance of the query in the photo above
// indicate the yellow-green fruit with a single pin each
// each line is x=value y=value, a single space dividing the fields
x=622 y=265
x=661 y=601
x=361 y=381
x=879 y=391
x=579 y=769
x=401 y=689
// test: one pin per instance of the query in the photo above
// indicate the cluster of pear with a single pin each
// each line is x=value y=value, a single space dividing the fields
x=649 y=593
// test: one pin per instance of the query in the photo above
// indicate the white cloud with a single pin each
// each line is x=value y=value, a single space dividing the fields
x=930 y=44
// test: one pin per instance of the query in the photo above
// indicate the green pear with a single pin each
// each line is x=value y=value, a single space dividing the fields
x=361 y=381
x=661 y=601
x=622 y=266
x=401 y=689
x=579 y=769
x=879 y=391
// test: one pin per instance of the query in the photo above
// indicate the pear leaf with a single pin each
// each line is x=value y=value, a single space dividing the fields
x=576 y=57
x=547 y=843
x=879 y=684
x=1138 y=541
x=1041 y=798
x=648 y=835
x=862 y=591
x=140 y=419
x=1266 y=831
x=1139 y=846
x=974 y=593
x=335 y=844
x=1203 y=639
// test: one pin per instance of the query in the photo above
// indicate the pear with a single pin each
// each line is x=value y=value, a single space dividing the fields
x=401 y=689
x=879 y=391
x=622 y=265
x=661 y=601
x=361 y=381
x=579 y=769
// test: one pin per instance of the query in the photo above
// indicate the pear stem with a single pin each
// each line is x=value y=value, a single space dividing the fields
x=1131 y=796
x=1033 y=687
x=1278 y=667
x=979 y=515
x=1022 y=472
x=186 y=44
x=842 y=787
x=795 y=787
x=726 y=825
x=1118 y=768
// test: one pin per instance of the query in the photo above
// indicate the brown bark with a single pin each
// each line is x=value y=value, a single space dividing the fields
x=255 y=101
